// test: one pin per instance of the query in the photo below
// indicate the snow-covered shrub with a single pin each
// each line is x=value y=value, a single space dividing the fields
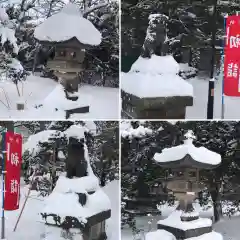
x=10 y=67
x=186 y=71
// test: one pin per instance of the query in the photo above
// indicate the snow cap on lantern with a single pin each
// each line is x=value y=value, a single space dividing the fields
x=70 y=34
x=67 y=25
x=188 y=155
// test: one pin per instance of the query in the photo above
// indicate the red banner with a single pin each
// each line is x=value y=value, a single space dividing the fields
x=232 y=57
x=13 y=146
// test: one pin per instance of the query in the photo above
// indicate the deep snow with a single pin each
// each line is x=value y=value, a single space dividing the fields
x=103 y=101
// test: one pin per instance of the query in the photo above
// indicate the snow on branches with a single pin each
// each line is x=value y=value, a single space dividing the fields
x=10 y=67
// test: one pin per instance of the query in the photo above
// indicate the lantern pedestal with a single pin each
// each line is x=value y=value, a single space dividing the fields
x=155 y=108
x=153 y=89
x=185 y=229
x=69 y=81
x=69 y=112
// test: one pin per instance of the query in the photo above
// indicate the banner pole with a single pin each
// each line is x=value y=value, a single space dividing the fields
x=3 y=186
x=224 y=40
x=211 y=82
x=24 y=204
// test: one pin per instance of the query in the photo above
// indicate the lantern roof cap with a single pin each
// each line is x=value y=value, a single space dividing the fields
x=187 y=155
x=67 y=25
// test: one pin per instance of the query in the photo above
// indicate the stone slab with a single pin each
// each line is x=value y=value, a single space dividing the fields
x=184 y=234
x=155 y=108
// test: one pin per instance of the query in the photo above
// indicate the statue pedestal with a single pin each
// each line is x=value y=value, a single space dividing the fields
x=185 y=230
x=155 y=108
x=152 y=89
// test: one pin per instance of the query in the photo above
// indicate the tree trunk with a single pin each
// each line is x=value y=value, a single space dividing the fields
x=42 y=125
x=217 y=208
x=103 y=179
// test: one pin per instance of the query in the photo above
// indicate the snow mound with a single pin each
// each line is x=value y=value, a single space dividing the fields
x=155 y=77
x=139 y=132
x=157 y=15
x=160 y=234
x=3 y=15
x=208 y=236
x=77 y=185
x=15 y=64
x=57 y=100
x=174 y=220
x=53 y=233
x=91 y=127
x=66 y=25
x=125 y=125
x=199 y=154
x=32 y=144
x=76 y=131
x=156 y=65
x=155 y=85
x=8 y=34
x=96 y=203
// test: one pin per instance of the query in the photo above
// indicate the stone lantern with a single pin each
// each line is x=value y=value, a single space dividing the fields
x=68 y=34
x=186 y=161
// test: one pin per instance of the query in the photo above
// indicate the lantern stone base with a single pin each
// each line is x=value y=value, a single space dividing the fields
x=69 y=112
x=155 y=108
x=181 y=234
x=103 y=236
x=182 y=229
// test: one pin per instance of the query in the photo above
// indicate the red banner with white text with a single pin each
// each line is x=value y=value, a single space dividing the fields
x=13 y=147
x=232 y=57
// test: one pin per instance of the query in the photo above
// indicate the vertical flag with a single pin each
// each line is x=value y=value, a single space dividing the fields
x=232 y=57
x=13 y=147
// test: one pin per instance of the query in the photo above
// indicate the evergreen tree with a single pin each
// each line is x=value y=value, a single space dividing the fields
x=11 y=68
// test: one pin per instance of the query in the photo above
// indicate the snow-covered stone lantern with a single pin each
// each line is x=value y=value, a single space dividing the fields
x=69 y=34
x=153 y=89
x=186 y=161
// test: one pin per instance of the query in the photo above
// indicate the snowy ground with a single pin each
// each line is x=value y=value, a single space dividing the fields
x=30 y=226
x=199 y=108
x=103 y=101
x=228 y=227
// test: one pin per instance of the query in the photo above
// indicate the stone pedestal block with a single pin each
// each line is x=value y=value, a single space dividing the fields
x=181 y=234
x=155 y=108
x=69 y=112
